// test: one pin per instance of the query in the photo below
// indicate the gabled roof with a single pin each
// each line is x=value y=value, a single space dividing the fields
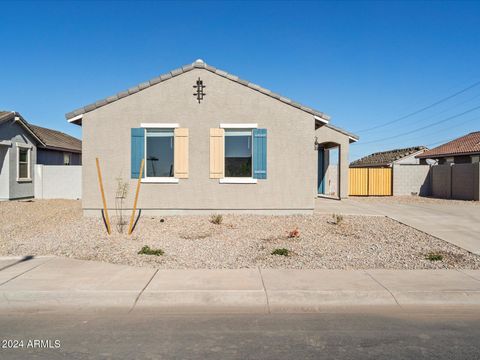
x=467 y=144
x=47 y=138
x=3 y=114
x=385 y=158
x=13 y=115
x=198 y=64
x=54 y=139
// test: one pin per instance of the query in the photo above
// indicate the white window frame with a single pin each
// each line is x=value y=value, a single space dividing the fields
x=29 y=162
x=158 y=179
x=238 y=126
x=160 y=125
x=238 y=180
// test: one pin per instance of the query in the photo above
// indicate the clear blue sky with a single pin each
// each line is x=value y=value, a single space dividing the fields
x=363 y=63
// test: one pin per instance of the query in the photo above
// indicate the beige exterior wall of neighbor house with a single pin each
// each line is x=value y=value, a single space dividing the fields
x=410 y=159
x=291 y=183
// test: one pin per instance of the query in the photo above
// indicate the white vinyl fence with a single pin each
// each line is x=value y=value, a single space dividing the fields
x=58 y=182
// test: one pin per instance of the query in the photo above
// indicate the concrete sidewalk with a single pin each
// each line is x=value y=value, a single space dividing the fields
x=56 y=284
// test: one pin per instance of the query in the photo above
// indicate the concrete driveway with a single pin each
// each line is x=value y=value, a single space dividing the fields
x=457 y=223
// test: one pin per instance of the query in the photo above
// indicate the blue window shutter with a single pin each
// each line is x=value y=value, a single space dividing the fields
x=259 y=153
x=138 y=148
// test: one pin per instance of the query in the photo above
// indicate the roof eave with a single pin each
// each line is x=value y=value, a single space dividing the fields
x=370 y=165
x=76 y=115
x=19 y=118
x=423 y=156
x=57 y=148
x=77 y=120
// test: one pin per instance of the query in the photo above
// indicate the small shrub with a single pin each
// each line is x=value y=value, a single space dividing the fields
x=146 y=250
x=434 y=257
x=216 y=219
x=295 y=233
x=281 y=252
x=337 y=219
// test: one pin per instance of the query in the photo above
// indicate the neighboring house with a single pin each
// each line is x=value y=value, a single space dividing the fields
x=212 y=143
x=59 y=149
x=390 y=157
x=464 y=150
x=23 y=145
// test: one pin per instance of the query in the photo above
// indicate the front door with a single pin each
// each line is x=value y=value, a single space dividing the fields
x=321 y=171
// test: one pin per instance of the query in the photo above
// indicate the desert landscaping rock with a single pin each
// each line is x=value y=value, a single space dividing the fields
x=56 y=227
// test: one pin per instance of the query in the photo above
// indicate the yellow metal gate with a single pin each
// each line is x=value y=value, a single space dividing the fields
x=370 y=181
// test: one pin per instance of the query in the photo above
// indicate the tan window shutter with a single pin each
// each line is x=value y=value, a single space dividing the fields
x=180 y=155
x=217 y=157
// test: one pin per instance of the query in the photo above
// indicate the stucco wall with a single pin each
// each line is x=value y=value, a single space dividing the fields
x=409 y=159
x=58 y=182
x=411 y=179
x=331 y=178
x=4 y=172
x=16 y=134
x=291 y=163
x=324 y=133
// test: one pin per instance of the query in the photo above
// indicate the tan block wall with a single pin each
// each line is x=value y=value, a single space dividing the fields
x=411 y=179
x=458 y=181
x=465 y=181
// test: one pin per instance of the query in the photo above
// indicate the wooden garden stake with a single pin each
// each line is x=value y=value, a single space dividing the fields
x=130 y=227
x=107 y=219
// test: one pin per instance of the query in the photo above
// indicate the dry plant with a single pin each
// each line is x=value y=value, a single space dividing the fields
x=337 y=219
x=216 y=219
x=120 y=196
x=295 y=233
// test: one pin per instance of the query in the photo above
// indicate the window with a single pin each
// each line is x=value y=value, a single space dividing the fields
x=23 y=166
x=238 y=153
x=66 y=159
x=159 y=153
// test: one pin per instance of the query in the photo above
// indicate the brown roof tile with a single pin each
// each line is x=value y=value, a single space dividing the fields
x=385 y=158
x=57 y=139
x=468 y=144
x=47 y=138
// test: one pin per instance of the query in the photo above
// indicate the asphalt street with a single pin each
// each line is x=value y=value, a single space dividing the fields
x=434 y=333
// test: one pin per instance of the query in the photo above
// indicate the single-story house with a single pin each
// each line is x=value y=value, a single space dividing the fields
x=211 y=142
x=390 y=157
x=464 y=150
x=22 y=145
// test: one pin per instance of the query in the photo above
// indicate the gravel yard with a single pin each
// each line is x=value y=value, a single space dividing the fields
x=43 y=227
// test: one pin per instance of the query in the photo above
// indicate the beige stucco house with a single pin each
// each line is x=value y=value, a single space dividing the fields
x=211 y=143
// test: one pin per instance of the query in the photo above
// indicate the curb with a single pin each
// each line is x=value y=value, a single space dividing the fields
x=59 y=284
